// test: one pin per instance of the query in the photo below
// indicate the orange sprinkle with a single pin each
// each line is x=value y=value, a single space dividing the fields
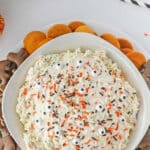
x=79 y=94
x=87 y=142
x=69 y=129
x=122 y=75
x=50 y=136
x=49 y=101
x=76 y=131
x=84 y=67
x=87 y=89
x=70 y=124
x=51 y=87
x=86 y=124
x=57 y=148
x=72 y=135
x=32 y=95
x=110 y=129
x=71 y=68
x=83 y=104
x=72 y=82
x=87 y=62
x=38 y=96
x=117 y=113
x=25 y=91
x=83 y=117
x=121 y=92
x=63 y=122
x=126 y=129
x=85 y=113
x=88 y=77
x=67 y=116
x=34 y=113
x=32 y=126
x=105 y=89
x=113 y=72
x=54 y=86
x=53 y=115
x=80 y=74
x=107 y=138
x=77 y=147
x=62 y=98
x=119 y=136
x=117 y=125
x=95 y=102
x=109 y=105
x=48 y=123
x=93 y=94
x=65 y=144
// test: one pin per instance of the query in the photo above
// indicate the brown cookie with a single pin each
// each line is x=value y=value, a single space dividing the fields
x=19 y=57
x=6 y=70
x=145 y=144
x=146 y=72
x=2 y=125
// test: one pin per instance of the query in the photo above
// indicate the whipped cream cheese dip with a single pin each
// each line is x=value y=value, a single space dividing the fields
x=77 y=100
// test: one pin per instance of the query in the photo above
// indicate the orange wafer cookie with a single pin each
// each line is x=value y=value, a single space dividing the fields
x=57 y=30
x=111 y=39
x=43 y=42
x=124 y=43
x=137 y=58
x=75 y=24
x=127 y=50
x=32 y=40
x=85 y=28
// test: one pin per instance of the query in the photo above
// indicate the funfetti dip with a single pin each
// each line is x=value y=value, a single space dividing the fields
x=77 y=100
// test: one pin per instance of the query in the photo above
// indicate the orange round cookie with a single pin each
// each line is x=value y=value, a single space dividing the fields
x=124 y=43
x=126 y=50
x=75 y=24
x=137 y=58
x=43 y=42
x=57 y=30
x=85 y=28
x=32 y=40
x=111 y=39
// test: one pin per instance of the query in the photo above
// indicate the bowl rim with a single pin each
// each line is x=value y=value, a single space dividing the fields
x=66 y=36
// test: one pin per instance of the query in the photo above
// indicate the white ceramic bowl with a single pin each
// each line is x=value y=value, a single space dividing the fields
x=76 y=40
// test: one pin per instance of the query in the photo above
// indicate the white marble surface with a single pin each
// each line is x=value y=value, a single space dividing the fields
x=22 y=16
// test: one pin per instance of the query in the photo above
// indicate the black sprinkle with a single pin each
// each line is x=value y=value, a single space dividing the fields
x=120 y=99
x=103 y=110
x=119 y=107
x=43 y=95
x=94 y=138
x=115 y=138
x=101 y=94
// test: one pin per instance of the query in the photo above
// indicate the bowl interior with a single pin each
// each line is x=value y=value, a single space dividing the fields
x=72 y=41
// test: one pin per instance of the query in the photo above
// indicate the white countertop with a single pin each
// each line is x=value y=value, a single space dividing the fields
x=22 y=16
